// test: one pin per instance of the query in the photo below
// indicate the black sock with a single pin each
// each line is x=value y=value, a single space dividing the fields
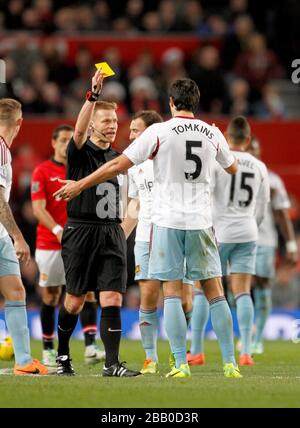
x=66 y=325
x=47 y=321
x=110 y=332
x=88 y=319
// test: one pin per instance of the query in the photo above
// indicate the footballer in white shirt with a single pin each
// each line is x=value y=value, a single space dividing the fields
x=141 y=181
x=277 y=213
x=240 y=203
x=184 y=150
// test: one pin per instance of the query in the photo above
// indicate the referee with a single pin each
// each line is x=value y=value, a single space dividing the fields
x=93 y=243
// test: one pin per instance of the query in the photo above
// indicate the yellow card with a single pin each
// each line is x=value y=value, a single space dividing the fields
x=105 y=68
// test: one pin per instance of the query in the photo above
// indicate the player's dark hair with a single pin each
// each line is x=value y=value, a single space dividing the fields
x=149 y=117
x=239 y=129
x=58 y=129
x=185 y=94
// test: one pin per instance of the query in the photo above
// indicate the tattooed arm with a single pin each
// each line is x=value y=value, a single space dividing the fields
x=8 y=221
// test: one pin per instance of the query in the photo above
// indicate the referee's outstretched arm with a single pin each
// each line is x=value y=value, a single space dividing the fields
x=86 y=113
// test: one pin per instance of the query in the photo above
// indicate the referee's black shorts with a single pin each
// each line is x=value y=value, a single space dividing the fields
x=94 y=256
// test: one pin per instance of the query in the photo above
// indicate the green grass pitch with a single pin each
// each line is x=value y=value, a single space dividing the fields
x=273 y=382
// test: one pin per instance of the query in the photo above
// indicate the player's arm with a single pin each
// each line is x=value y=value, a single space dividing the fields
x=139 y=151
x=8 y=221
x=224 y=156
x=263 y=196
x=287 y=230
x=105 y=172
x=86 y=113
x=233 y=168
x=45 y=218
x=131 y=217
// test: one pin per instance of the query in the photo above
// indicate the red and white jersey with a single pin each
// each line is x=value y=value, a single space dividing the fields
x=237 y=197
x=184 y=150
x=267 y=232
x=43 y=185
x=5 y=177
x=141 y=181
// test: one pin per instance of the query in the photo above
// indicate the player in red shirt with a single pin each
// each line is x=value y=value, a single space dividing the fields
x=51 y=214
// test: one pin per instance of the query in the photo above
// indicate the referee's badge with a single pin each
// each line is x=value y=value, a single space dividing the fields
x=35 y=186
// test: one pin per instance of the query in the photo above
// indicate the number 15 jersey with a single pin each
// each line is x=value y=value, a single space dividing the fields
x=237 y=198
x=184 y=151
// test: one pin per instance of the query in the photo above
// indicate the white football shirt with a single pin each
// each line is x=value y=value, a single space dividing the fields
x=236 y=199
x=5 y=177
x=141 y=180
x=184 y=151
x=267 y=233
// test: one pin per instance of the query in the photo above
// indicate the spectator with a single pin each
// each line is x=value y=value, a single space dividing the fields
x=24 y=54
x=258 y=65
x=239 y=98
x=151 y=23
x=236 y=42
x=271 y=105
x=102 y=15
x=144 y=95
x=134 y=12
x=206 y=72
x=115 y=92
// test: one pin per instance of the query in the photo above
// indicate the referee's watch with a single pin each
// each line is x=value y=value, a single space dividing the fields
x=92 y=96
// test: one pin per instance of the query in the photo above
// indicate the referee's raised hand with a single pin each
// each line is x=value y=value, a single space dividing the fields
x=97 y=81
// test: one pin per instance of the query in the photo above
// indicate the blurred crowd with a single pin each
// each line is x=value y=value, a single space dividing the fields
x=237 y=77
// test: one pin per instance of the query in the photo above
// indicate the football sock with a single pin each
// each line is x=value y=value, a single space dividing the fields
x=175 y=326
x=47 y=321
x=110 y=332
x=16 y=321
x=88 y=319
x=245 y=316
x=263 y=307
x=222 y=325
x=199 y=321
x=148 y=322
x=66 y=325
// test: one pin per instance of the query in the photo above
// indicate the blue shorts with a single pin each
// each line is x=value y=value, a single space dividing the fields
x=265 y=262
x=142 y=256
x=172 y=248
x=9 y=264
x=238 y=258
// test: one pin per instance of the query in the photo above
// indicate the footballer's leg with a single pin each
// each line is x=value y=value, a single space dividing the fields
x=67 y=320
x=199 y=321
x=148 y=317
x=167 y=264
x=13 y=291
x=187 y=299
x=241 y=285
x=88 y=318
x=242 y=267
x=265 y=272
x=50 y=300
x=148 y=323
x=205 y=265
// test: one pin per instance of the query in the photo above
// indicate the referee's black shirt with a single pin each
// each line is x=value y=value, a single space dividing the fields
x=99 y=203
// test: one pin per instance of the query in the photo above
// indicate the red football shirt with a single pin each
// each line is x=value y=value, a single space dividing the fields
x=42 y=187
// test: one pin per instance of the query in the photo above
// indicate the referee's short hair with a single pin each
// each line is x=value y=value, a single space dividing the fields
x=9 y=111
x=149 y=117
x=239 y=129
x=105 y=105
x=59 y=128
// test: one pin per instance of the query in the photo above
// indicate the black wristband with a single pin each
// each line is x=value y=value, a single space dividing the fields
x=92 y=96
